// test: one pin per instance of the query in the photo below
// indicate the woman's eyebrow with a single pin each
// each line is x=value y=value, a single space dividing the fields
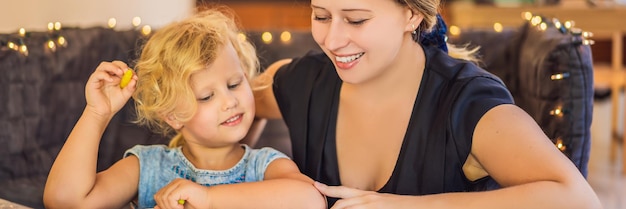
x=345 y=10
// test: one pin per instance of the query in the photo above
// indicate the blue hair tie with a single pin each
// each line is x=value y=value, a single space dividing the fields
x=437 y=36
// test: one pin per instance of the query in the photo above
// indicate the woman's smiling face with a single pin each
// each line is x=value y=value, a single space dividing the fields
x=361 y=37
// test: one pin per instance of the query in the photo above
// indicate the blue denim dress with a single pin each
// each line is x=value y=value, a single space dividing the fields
x=159 y=165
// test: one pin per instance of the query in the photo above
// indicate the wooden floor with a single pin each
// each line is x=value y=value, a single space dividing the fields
x=605 y=172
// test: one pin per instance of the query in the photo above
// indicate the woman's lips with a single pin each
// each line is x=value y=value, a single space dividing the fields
x=349 y=61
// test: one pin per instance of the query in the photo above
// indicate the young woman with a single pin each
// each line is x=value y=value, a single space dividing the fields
x=390 y=119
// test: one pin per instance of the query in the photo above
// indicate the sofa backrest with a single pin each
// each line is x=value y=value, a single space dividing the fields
x=43 y=95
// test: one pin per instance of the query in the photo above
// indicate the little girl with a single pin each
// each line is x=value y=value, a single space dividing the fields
x=192 y=80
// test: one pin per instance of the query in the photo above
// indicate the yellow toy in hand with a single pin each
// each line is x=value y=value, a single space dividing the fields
x=126 y=78
x=181 y=202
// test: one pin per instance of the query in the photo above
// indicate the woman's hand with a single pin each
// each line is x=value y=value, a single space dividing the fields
x=103 y=93
x=355 y=198
x=182 y=193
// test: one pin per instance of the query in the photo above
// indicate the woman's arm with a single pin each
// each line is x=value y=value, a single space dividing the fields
x=512 y=148
x=72 y=181
x=283 y=187
x=266 y=106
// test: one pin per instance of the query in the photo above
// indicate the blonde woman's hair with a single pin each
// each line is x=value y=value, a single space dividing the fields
x=430 y=9
x=174 y=53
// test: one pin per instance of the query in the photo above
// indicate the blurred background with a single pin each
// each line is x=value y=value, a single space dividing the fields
x=603 y=19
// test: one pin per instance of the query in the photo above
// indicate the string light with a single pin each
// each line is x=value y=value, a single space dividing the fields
x=559 y=144
x=559 y=76
x=266 y=37
x=497 y=27
x=55 y=40
x=285 y=37
x=588 y=42
x=52 y=46
x=578 y=37
x=136 y=21
x=536 y=20
x=57 y=26
x=50 y=26
x=12 y=45
x=24 y=50
x=568 y=24
x=22 y=32
x=61 y=41
x=146 y=30
x=557 y=112
x=455 y=30
x=543 y=26
x=527 y=15
x=558 y=25
x=112 y=22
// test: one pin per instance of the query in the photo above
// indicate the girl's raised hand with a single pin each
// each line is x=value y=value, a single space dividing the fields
x=103 y=92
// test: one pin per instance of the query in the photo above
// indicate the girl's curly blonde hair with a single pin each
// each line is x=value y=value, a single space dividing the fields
x=175 y=52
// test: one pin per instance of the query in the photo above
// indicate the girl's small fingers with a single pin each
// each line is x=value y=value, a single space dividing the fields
x=99 y=76
x=110 y=68
x=120 y=65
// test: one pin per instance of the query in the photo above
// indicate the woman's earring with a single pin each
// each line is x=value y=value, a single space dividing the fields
x=414 y=32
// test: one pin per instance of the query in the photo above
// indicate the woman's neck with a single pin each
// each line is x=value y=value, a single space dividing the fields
x=210 y=158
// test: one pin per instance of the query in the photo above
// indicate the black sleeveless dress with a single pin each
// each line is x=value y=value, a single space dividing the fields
x=453 y=96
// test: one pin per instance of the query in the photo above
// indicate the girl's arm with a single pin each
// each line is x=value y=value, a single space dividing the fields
x=284 y=187
x=512 y=148
x=72 y=181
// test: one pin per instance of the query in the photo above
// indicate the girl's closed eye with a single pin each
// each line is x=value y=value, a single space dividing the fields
x=236 y=82
x=207 y=98
x=233 y=86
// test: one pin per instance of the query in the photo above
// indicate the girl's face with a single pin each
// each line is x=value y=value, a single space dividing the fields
x=362 y=37
x=224 y=100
